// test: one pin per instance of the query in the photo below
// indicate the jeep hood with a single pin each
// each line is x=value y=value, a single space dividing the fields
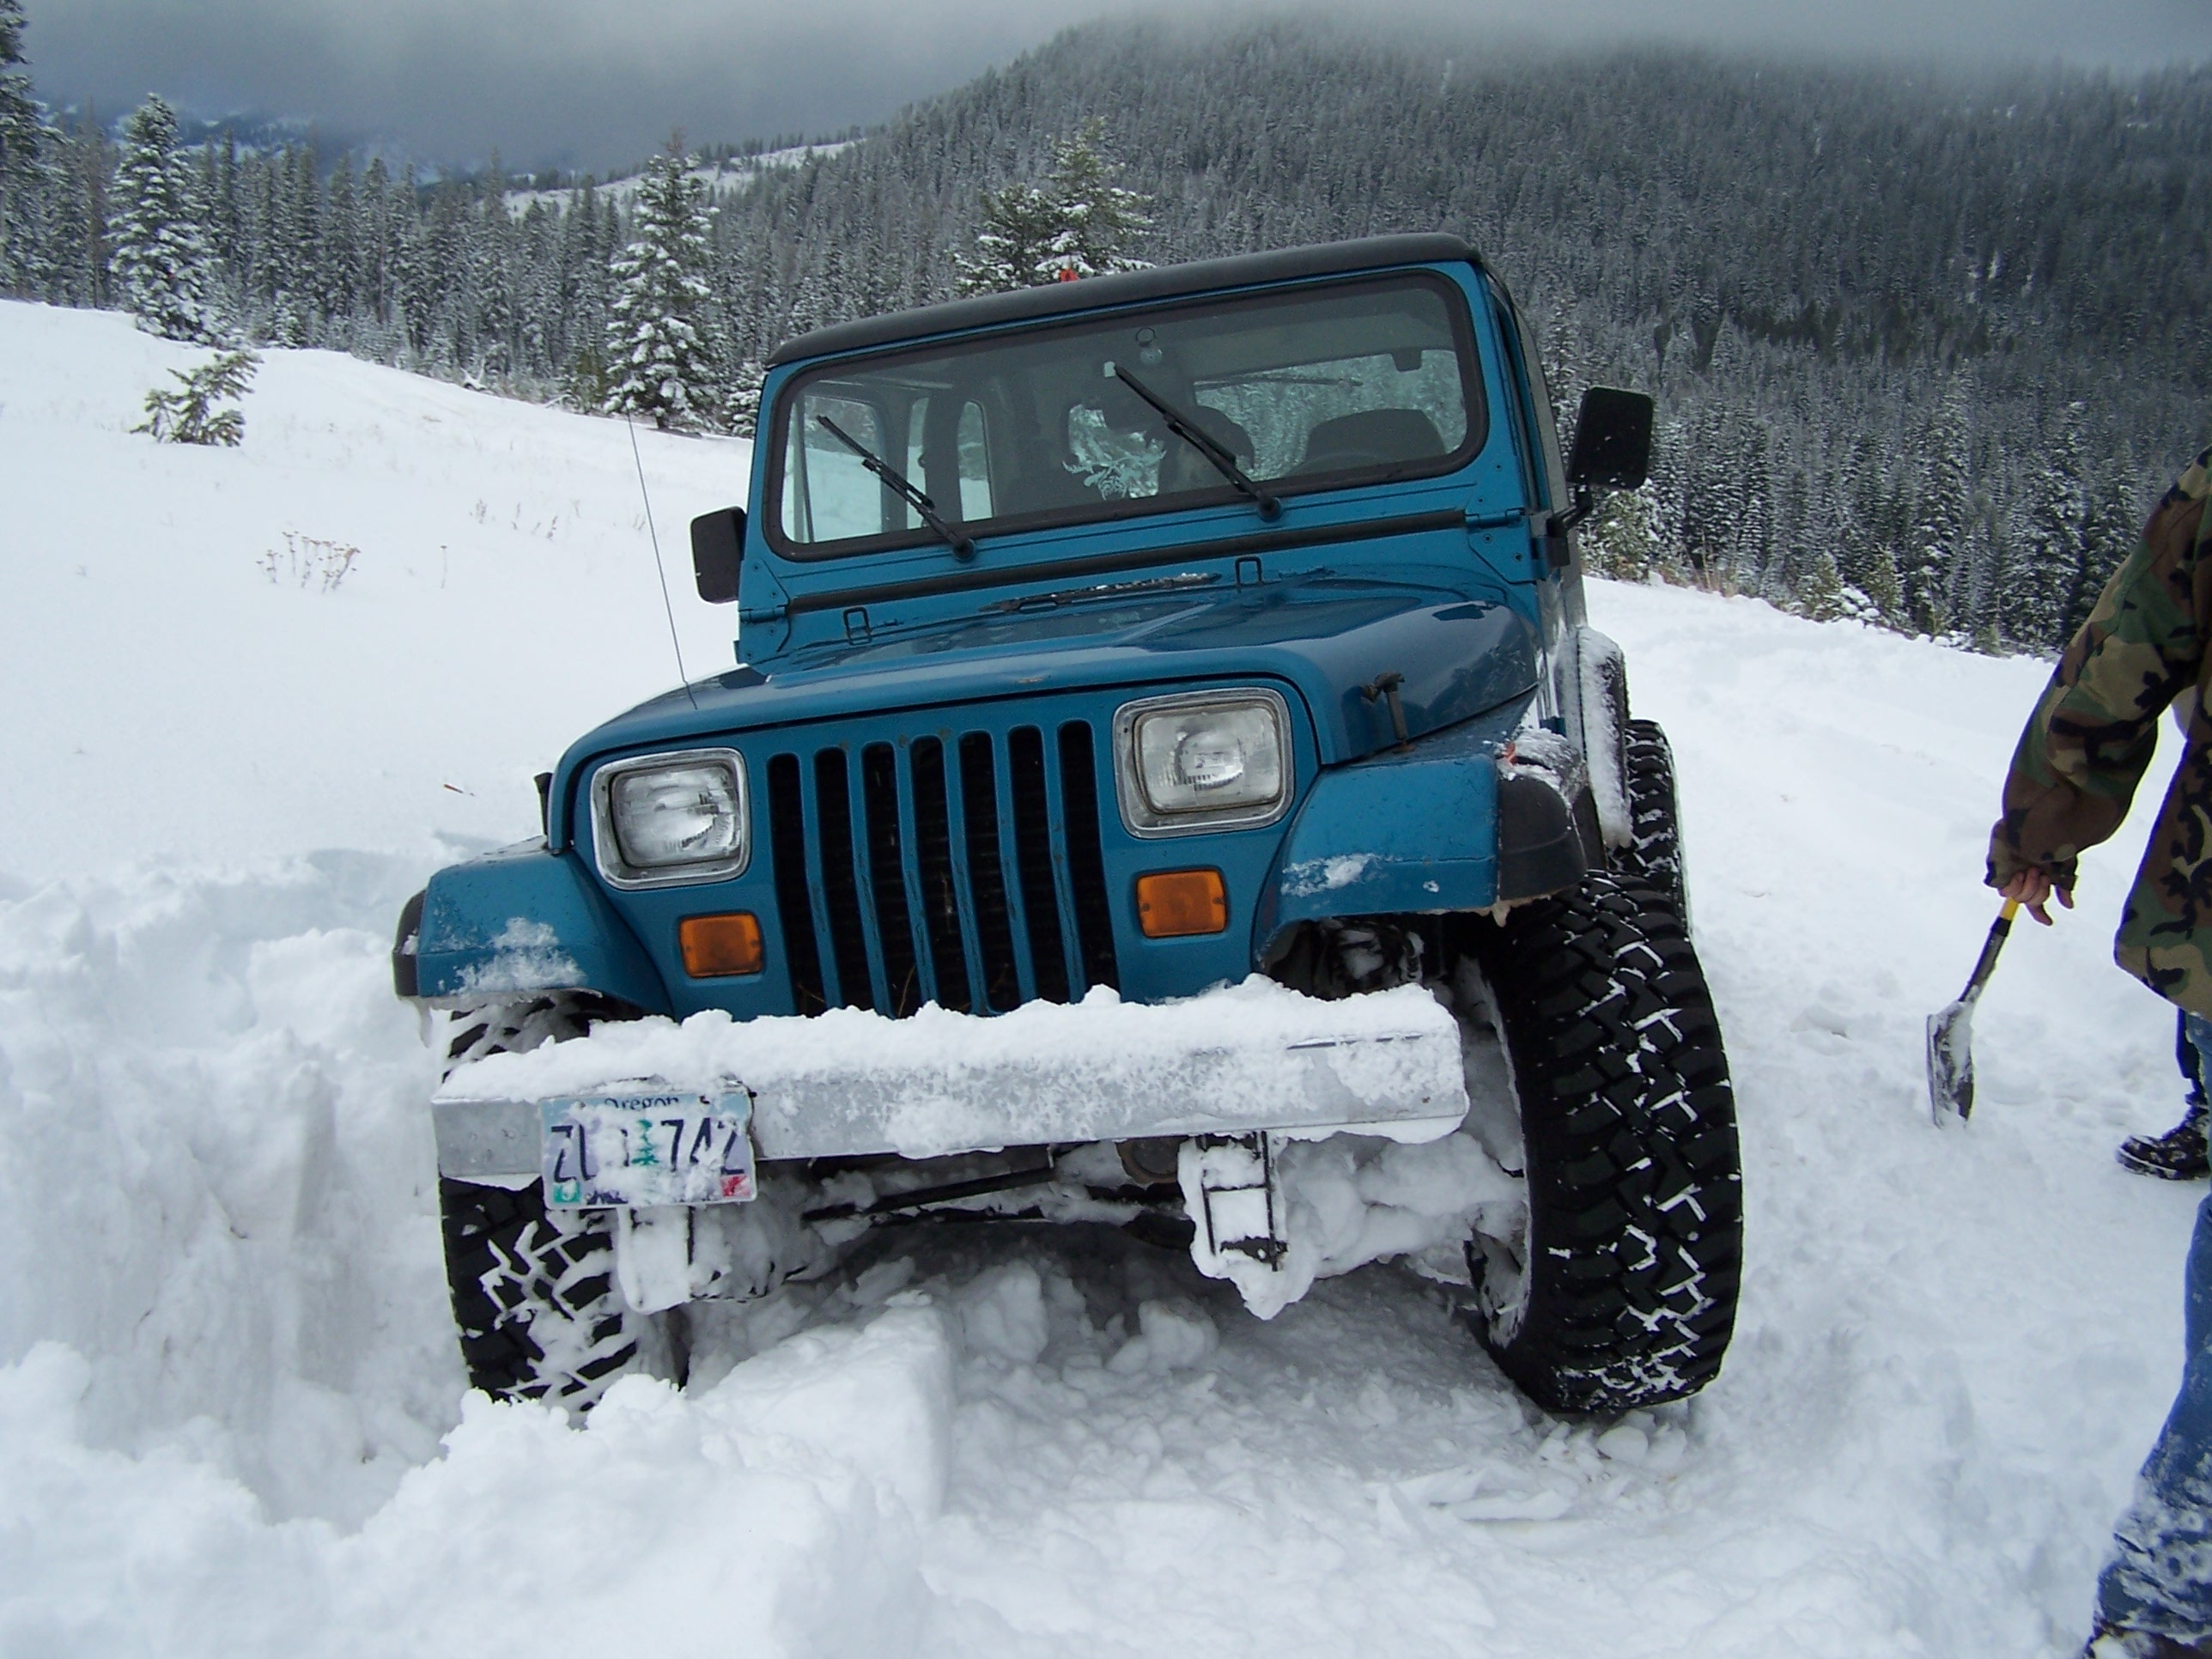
x=1327 y=637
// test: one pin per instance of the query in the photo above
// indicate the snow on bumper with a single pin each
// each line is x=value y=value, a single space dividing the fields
x=851 y=1083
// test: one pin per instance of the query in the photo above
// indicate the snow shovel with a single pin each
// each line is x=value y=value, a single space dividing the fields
x=1951 y=1033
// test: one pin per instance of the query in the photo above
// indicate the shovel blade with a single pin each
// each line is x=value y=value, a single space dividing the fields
x=1951 y=1061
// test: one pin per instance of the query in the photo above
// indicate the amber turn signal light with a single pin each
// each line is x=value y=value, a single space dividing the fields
x=715 y=946
x=1177 y=903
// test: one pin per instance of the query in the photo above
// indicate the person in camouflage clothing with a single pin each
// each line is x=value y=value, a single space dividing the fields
x=2143 y=650
x=2147 y=647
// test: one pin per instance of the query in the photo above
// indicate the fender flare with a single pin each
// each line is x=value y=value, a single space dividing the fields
x=518 y=921
x=1437 y=827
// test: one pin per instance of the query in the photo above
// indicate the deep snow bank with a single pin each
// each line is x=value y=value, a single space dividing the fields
x=224 y=1364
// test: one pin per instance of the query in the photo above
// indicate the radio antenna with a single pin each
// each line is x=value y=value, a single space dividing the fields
x=660 y=567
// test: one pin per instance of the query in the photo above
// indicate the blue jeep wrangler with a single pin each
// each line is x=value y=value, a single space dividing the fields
x=1169 y=781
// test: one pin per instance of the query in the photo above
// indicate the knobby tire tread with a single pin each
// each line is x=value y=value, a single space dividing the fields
x=1628 y=1123
x=1654 y=855
x=533 y=1291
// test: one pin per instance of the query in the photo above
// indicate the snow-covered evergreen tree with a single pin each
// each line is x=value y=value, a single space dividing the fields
x=1819 y=591
x=2036 y=575
x=2113 y=523
x=1078 y=223
x=294 y=210
x=492 y=287
x=190 y=416
x=163 y=271
x=659 y=360
x=337 y=244
x=22 y=173
x=1709 y=489
x=1940 y=516
x=1618 y=541
x=744 y=399
x=1869 y=537
x=1662 y=494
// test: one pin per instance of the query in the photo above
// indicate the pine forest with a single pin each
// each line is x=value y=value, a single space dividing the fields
x=1925 y=346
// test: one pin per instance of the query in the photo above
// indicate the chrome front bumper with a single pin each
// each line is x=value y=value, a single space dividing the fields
x=851 y=1083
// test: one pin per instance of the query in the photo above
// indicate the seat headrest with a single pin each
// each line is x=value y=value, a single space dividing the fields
x=1373 y=437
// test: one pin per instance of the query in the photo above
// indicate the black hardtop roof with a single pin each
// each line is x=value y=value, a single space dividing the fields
x=1095 y=293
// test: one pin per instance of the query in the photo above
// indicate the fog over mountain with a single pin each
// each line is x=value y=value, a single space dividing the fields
x=569 y=83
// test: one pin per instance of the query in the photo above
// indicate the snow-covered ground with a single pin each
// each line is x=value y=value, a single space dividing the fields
x=723 y=175
x=231 y=1418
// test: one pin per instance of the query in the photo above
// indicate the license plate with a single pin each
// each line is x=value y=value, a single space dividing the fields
x=638 y=1147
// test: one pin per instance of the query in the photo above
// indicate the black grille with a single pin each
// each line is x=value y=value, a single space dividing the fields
x=967 y=872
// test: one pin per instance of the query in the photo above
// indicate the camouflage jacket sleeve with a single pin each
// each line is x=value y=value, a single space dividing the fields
x=2095 y=728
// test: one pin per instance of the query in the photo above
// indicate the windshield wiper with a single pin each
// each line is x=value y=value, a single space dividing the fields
x=1147 y=585
x=1217 y=454
x=962 y=546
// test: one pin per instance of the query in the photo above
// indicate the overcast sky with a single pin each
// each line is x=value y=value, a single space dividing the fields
x=589 y=83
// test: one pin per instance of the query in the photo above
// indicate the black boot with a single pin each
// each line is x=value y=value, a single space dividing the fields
x=2177 y=1155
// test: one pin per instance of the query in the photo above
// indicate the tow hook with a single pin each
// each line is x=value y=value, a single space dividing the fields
x=1234 y=1196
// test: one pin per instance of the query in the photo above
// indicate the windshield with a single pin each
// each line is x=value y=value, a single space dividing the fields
x=1318 y=388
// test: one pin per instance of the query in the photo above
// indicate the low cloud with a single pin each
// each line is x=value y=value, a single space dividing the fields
x=580 y=84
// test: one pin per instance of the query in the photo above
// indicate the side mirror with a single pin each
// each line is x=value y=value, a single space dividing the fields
x=718 y=547
x=1612 y=441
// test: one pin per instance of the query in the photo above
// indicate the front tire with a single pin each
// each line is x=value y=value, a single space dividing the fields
x=1654 y=855
x=533 y=1288
x=534 y=1295
x=1621 y=1290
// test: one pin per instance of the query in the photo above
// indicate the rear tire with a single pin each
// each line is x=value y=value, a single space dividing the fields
x=1621 y=1289
x=533 y=1289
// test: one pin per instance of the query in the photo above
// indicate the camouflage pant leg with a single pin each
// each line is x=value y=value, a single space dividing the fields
x=2159 y=1578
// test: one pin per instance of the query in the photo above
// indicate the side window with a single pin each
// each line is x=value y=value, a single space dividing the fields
x=969 y=483
x=828 y=494
x=1545 y=466
x=974 y=465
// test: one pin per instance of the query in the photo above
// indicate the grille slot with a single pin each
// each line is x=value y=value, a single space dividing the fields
x=840 y=885
x=940 y=895
x=1086 y=865
x=879 y=790
x=794 y=906
x=1033 y=857
x=986 y=877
